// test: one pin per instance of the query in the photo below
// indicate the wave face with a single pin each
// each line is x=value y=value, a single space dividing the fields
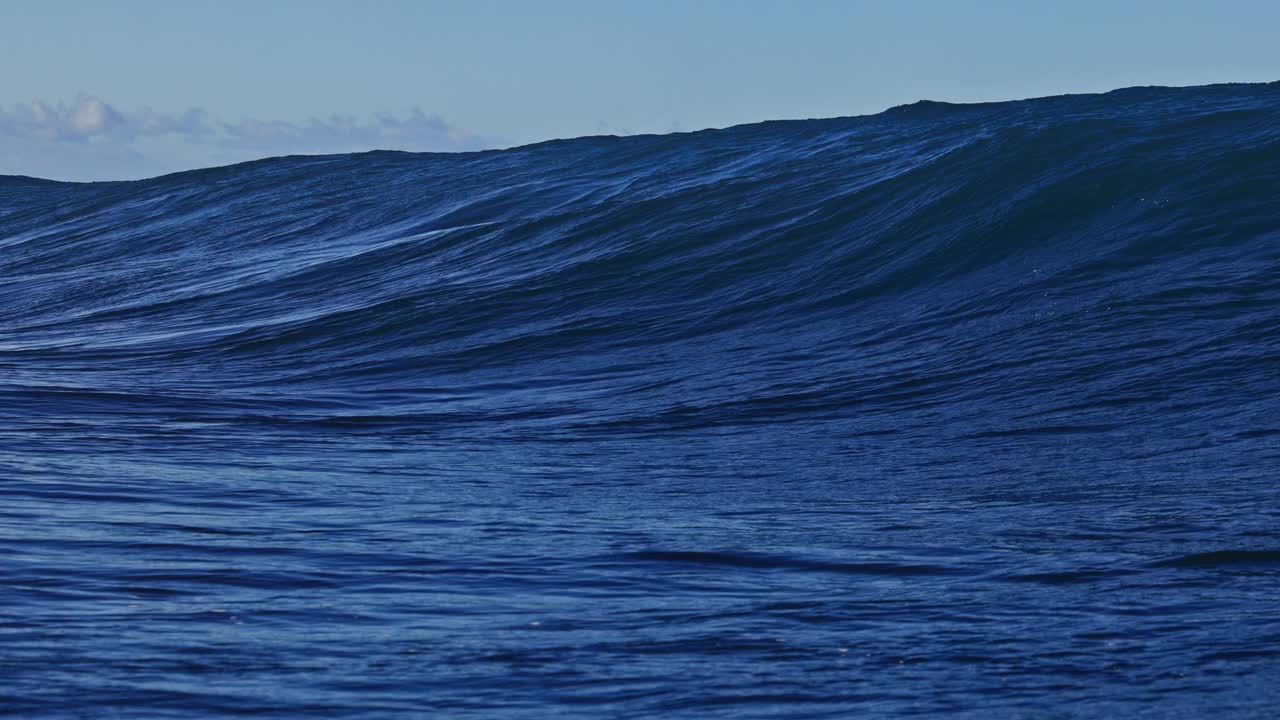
x=950 y=408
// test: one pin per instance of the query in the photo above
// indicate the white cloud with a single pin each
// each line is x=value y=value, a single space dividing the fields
x=417 y=132
x=91 y=116
x=92 y=139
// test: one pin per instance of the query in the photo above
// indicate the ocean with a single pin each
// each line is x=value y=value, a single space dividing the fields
x=953 y=410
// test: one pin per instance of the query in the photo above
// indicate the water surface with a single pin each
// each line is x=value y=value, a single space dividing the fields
x=965 y=410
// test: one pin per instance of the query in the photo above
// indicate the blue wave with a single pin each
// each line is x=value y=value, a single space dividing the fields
x=622 y=425
x=1039 y=264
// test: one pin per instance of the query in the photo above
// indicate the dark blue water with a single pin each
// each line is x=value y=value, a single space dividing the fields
x=955 y=410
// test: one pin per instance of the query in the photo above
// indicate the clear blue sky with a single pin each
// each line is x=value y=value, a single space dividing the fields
x=497 y=73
